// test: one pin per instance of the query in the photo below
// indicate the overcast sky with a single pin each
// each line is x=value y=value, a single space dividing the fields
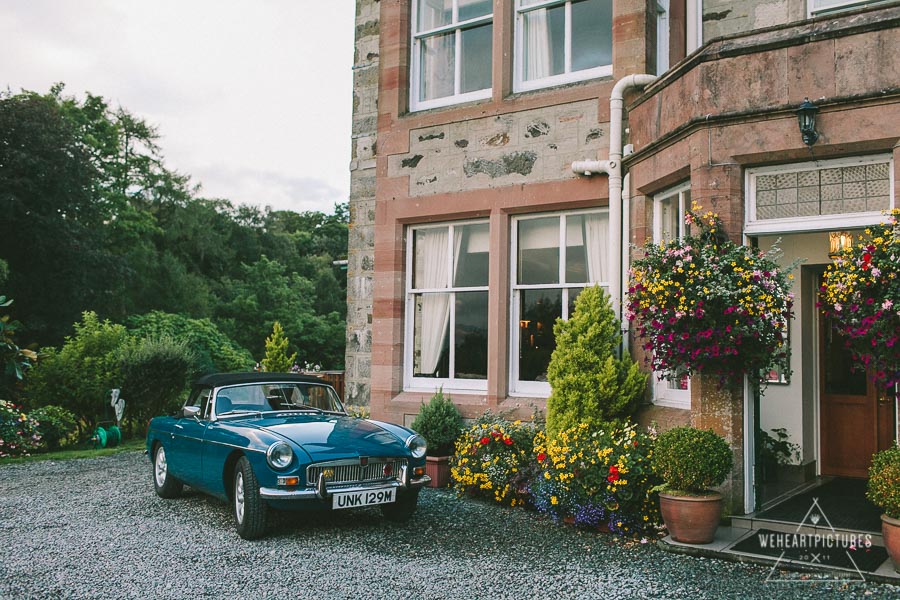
x=252 y=98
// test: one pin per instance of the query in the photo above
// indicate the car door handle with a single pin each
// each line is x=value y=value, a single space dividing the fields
x=179 y=426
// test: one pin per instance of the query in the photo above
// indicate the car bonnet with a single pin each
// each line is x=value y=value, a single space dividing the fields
x=331 y=437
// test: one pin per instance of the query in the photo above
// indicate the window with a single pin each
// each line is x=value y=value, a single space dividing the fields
x=668 y=225
x=555 y=257
x=562 y=41
x=819 y=7
x=447 y=306
x=451 y=52
x=815 y=196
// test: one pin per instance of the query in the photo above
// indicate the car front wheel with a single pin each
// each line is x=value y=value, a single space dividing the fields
x=249 y=508
x=401 y=510
x=164 y=483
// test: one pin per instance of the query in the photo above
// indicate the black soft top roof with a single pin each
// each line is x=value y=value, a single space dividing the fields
x=220 y=379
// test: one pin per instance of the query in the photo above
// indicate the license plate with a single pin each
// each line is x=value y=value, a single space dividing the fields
x=367 y=498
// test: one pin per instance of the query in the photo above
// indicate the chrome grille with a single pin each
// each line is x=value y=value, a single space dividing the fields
x=346 y=472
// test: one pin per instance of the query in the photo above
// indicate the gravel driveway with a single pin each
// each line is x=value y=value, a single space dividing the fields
x=93 y=528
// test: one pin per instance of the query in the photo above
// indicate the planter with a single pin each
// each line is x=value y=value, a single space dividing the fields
x=890 y=531
x=438 y=468
x=691 y=519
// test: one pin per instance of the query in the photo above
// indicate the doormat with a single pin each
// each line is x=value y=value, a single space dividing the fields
x=843 y=500
x=838 y=550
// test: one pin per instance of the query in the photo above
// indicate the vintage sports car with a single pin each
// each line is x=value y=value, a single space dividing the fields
x=284 y=441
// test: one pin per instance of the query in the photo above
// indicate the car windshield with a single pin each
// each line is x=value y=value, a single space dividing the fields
x=259 y=397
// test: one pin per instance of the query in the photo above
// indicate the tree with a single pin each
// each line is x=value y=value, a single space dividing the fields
x=155 y=372
x=277 y=359
x=589 y=382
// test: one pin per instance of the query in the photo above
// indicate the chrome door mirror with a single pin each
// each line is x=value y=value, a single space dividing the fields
x=191 y=412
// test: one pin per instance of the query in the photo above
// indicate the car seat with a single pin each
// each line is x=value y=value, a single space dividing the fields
x=223 y=404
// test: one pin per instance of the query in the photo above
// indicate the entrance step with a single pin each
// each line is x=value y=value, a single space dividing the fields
x=752 y=521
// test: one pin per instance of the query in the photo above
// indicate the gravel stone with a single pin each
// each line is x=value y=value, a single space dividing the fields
x=94 y=528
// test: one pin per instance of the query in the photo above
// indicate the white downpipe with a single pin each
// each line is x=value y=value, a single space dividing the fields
x=616 y=109
x=613 y=168
x=626 y=254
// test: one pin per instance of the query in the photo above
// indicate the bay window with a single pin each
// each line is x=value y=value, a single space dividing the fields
x=560 y=41
x=447 y=306
x=451 y=52
x=554 y=258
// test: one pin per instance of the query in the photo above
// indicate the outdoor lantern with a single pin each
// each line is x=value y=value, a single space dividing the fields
x=806 y=115
x=838 y=241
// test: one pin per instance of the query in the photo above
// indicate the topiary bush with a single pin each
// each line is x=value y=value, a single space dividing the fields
x=55 y=424
x=440 y=423
x=155 y=372
x=690 y=460
x=589 y=382
x=277 y=359
x=884 y=481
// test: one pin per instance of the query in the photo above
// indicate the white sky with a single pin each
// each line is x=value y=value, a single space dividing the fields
x=252 y=98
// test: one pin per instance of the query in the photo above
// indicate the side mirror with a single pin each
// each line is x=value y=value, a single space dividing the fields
x=190 y=412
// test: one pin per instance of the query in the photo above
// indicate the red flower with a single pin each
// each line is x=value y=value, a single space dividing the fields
x=541 y=457
x=613 y=474
x=507 y=441
x=496 y=434
x=485 y=441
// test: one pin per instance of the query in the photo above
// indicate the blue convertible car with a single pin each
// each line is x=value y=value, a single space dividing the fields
x=284 y=441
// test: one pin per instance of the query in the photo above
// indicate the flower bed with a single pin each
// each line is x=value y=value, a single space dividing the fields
x=19 y=433
x=495 y=460
x=705 y=304
x=599 y=479
x=861 y=295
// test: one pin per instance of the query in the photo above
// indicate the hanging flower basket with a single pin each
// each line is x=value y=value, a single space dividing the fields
x=861 y=295
x=703 y=304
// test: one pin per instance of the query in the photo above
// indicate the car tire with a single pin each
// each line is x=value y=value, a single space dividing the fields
x=249 y=507
x=165 y=484
x=402 y=510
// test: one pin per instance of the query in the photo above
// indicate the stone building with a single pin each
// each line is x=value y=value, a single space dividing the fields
x=508 y=153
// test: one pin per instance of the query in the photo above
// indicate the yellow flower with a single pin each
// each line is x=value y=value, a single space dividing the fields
x=553 y=500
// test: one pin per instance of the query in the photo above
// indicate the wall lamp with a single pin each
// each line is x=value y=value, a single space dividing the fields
x=838 y=241
x=806 y=115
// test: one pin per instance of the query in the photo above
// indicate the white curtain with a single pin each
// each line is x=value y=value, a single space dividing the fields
x=596 y=234
x=436 y=53
x=537 y=44
x=435 y=306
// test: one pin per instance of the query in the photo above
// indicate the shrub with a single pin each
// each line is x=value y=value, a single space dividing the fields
x=440 y=423
x=19 y=433
x=55 y=424
x=495 y=460
x=884 y=481
x=599 y=478
x=155 y=371
x=590 y=384
x=216 y=352
x=277 y=359
x=80 y=374
x=692 y=460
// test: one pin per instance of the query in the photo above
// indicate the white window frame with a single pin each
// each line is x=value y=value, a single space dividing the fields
x=816 y=8
x=415 y=60
x=663 y=395
x=412 y=383
x=569 y=76
x=662 y=36
x=539 y=389
x=753 y=226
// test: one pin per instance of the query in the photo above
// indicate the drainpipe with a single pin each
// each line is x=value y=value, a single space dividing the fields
x=613 y=168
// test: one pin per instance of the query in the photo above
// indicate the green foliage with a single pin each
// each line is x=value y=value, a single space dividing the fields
x=80 y=375
x=215 y=351
x=155 y=371
x=495 y=460
x=440 y=423
x=599 y=478
x=55 y=424
x=692 y=460
x=589 y=383
x=277 y=359
x=884 y=481
x=13 y=360
x=19 y=433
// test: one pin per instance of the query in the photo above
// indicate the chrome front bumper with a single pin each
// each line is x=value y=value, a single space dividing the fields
x=322 y=491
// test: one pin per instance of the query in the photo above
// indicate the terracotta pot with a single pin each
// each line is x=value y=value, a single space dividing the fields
x=890 y=531
x=438 y=468
x=691 y=519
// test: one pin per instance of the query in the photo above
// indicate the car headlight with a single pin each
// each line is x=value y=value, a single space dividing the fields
x=417 y=445
x=279 y=455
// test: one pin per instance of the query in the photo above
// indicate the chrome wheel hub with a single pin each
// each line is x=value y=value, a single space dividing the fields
x=160 y=467
x=239 y=497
